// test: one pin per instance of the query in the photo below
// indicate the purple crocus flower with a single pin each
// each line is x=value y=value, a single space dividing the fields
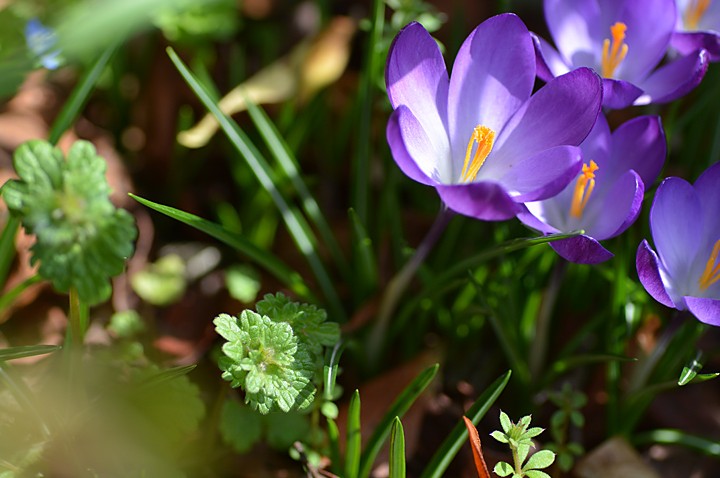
x=624 y=41
x=606 y=197
x=480 y=137
x=698 y=27
x=685 y=272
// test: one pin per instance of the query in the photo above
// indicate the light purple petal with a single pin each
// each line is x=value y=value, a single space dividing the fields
x=560 y=113
x=707 y=188
x=416 y=77
x=675 y=79
x=619 y=94
x=581 y=250
x=648 y=269
x=533 y=221
x=676 y=221
x=706 y=310
x=543 y=175
x=483 y=200
x=637 y=144
x=619 y=207
x=576 y=30
x=493 y=75
x=549 y=62
x=688 y=42
x=411 y=147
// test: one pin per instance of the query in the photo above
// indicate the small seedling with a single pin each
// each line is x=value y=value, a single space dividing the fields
x=519 y=438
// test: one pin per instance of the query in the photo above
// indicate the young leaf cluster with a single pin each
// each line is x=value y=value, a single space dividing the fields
x=82 y=239
x=519 y=437
x=274 y=354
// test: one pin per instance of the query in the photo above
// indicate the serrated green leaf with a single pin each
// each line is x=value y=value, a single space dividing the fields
x=539 y=460
x=505 y=422
x=239 y=426
x=503 y=469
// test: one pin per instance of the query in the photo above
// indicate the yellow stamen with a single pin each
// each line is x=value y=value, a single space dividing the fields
x=484 y=137
x=694 y=12
x=583 y=189
x=613 y=56
x=711 y=274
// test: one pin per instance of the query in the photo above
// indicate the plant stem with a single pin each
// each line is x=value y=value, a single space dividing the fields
x=75 y=319
x=539 y=346
x=516 y=461
x=397 y=285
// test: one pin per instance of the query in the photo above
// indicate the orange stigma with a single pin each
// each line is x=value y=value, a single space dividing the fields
x=583 y=189
x=694 y=12
x=711 y=274
x=613 y=54
x=484 y=137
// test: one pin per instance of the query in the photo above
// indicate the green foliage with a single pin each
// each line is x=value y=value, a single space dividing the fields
x=243 y=283
x=519 y=438
x=569 y=403
x=217 y=20
x=82 y=239
x=263 y=357
x=162 y=282
x=240 y=426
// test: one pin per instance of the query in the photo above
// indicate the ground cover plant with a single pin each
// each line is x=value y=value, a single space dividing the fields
x=359 y=238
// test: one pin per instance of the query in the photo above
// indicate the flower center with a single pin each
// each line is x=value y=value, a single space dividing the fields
x=711 y=274
x=694 y=12
x=583 y=189
x=614 y=53
x=484 y=137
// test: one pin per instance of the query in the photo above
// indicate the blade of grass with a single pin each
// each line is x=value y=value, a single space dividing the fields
x=330 y=369
x=296 y=224
x=367 y=276
x=354 y=439
x=7 y=247
x=401 y=404
x=334 y=438
x=447 y=451
x=268 y=261
x=288 y=164
x=13 y=353
x=397 y=450
x=678 y=437
x=167 y=375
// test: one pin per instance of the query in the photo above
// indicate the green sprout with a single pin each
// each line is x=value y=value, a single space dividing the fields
x=519 y=438
x=82 y=239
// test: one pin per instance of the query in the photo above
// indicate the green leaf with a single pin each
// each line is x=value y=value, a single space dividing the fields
x=505 y=422
x=536 y=474
x=13 y=353
x=533 y=432
x=243 y=283
x=503 y=469
x=707 y=446
x=161 y=283
x=397 y=450
x=353 y=440
x=82 y=240
x=500 y=436
x=539 y=460
x=239 y=426
x=160 y=377
x=330 y=369
x=284 y=429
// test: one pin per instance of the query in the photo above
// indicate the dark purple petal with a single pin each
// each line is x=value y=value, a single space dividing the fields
x=482 y=200
x=648 y=269
x=576 y=30
x=638 y=144
x=543 y=175
x=560 y=113
x=581 y=250
x=411 y=147
x=676 y=221
x=549 y=62
x=707 y=188
x=705 y=309
x=675 y=79
x=493 y=75
x=416 y=77
x=619 y=207
x=688 y=42
x=619 y=94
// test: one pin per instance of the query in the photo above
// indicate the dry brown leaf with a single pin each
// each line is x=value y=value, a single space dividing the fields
x=474 y=439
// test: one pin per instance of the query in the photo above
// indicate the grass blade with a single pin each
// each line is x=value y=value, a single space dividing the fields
x=13 y=353
x=332 y=361
x=367 y=275
x=677 y=437
x=397 y=450
x=447 y=451
x=296 y=224
x=354 y=439
x=7 y=247
x=271 y=263
x=167 y=375
x=397 y=409
x=8 y=298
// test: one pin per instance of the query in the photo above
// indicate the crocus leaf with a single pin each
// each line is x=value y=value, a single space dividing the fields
x=397 y=450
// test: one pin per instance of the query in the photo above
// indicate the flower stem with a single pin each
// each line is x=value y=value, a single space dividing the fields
x=397 y=285
x=75 y=318
x=539 y=346
x=516 y=461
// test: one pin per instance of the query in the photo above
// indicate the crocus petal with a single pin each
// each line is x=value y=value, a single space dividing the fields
x=618 y=94
x=648 y=269
x=410 y=146
x=549 y=62
x=619 y=207
x=581 y=250
x=561 y=112
x=576 y=29
x=638 y=144
x=705 y=309
x=677 y=225
x=543 y=175
x=688 y=42
x=675 y=79
x=493 y=74
x=417 y=78
x=707 y=188
x=532 y=215
x=482 y=200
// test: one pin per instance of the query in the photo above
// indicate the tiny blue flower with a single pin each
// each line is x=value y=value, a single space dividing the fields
x=41 y=40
